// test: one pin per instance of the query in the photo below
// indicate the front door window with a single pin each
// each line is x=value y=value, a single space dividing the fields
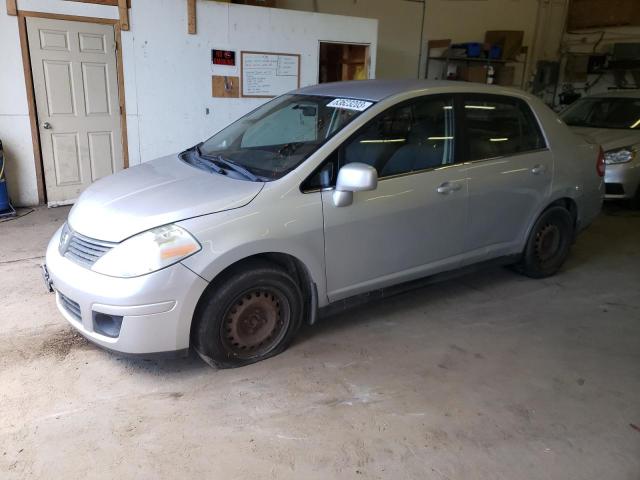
x=414 y=136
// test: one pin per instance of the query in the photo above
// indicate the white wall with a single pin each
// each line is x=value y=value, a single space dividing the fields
x=603 y=43
x=468 y=20
x=399 y=29
x=402 y=30
x=173 y=70
x=168 y=72
x=15 y=127
x=14 y=115
x=556 y=44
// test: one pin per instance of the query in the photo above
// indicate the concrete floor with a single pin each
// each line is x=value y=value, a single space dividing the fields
x=491 y=375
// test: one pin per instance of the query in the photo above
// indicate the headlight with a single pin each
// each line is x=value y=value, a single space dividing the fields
x=147 y=252
x=65 y=236
x=620 y=155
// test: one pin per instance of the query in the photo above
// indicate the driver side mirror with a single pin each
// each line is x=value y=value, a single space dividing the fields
x=354 y=177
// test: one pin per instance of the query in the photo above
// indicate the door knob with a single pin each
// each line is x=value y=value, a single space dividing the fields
x=46 y=126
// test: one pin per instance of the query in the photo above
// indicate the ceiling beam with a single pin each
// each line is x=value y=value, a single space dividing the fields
x=191 y=17
x=113 y=3
x=12 y=7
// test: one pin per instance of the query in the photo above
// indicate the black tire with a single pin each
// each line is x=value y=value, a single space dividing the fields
x=250 y=314
x=548 y=244
x=634 y=203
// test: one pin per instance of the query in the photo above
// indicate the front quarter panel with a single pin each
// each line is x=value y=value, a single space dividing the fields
x=280 y=220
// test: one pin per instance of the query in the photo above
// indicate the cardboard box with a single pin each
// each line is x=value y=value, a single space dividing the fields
x=505 y=76
x=509 y=40
x=474 y=73
x=225 y=87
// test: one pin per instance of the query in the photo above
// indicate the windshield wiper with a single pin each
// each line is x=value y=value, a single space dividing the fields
x=231 y=166
x=199 y=159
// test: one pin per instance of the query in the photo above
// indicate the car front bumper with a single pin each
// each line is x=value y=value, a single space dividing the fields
x=622 y=180
x=152 y=312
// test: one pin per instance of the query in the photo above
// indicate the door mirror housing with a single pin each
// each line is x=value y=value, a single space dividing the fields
x=354 y=177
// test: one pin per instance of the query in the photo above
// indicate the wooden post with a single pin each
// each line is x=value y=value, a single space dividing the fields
x=12 y=7
x=191 y=16
x=123 y=11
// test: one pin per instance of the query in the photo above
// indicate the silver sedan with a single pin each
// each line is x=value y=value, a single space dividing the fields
x=613 y=121
x=314 y=200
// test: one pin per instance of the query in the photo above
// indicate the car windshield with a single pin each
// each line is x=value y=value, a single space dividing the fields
x=605 y=112
x=275 y=138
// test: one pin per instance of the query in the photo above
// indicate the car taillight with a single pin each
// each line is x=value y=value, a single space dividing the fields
x=600 y=164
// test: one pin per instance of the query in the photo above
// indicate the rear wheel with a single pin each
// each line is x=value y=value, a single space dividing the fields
x=634 y=203
x=548 y=244
x=247 y=316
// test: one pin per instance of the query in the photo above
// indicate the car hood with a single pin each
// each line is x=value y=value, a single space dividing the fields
x=155 y=193
x=609 y=138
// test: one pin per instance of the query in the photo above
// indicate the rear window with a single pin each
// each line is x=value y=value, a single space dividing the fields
x=500 y=126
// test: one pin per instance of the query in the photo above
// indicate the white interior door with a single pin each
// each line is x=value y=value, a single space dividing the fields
x=76 y=93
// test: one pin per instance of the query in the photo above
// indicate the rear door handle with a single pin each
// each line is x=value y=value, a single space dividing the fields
x=538 y=169
x=447 y=188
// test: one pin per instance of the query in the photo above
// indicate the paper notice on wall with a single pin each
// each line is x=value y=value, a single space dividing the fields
x=269 y=74
x=287 y=66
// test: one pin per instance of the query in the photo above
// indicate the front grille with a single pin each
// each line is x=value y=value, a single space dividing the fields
x=73 y=308
x=86 y=251
x=613 y=189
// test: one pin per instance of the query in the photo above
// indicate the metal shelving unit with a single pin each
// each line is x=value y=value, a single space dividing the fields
x=448 y=59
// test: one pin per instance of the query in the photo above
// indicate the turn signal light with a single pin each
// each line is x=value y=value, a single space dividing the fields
x=600 y=164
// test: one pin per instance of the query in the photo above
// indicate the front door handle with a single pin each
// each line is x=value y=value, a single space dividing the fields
x=447 y=188
x=538 y=169
x=46 y=126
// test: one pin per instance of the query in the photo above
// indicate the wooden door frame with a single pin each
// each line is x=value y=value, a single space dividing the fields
x=367 y=57
x=31 y=99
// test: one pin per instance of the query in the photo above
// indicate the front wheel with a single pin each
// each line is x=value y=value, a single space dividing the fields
x=548 y=244
x=247 y=316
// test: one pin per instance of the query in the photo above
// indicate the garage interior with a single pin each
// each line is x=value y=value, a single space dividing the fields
x=485 y=375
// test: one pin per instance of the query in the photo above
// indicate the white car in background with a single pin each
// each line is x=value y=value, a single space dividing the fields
x=612 y=120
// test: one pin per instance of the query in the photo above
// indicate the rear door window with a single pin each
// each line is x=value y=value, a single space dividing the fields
x=498 y=126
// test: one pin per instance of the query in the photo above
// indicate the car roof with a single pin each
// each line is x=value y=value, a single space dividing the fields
x=376 y=90
x=616 y=94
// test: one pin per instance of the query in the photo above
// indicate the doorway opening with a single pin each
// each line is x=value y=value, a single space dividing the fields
x=343 y=61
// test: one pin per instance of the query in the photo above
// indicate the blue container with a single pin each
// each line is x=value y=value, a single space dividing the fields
x=495 y=53
x=4 y=195
x=474 y=50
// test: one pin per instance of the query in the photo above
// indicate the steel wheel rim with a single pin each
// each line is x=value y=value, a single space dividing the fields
x=255 y=322
x=548 y=242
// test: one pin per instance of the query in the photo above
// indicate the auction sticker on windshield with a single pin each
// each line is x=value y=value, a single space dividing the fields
x=350 y=104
